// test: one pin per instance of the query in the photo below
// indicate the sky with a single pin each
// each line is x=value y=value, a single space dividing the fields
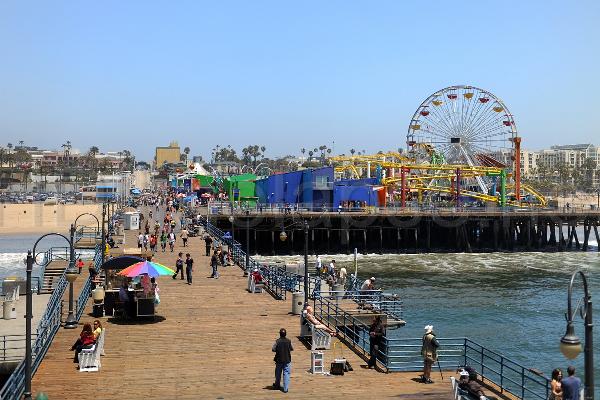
x=286 y=75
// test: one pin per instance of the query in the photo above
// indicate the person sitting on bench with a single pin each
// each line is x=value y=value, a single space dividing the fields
x=468 y=382
x=310 y=317
x=256 y=275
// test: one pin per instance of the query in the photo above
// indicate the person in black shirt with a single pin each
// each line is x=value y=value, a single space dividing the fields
x=376 y=334
x=214 y=263
x=179 y=266
x=189 y=264
x=283 y=360
x=208 y=241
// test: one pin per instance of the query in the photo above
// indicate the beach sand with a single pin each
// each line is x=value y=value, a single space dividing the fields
x=38 y=218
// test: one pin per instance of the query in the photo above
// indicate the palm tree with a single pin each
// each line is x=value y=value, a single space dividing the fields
x=10 y=146
x=303 y=150
x=310 y=154
x=352 y=151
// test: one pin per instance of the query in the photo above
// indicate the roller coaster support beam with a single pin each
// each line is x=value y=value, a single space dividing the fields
x=457 y=187
x=403 y=186
x=517 y=174
x=503 y=188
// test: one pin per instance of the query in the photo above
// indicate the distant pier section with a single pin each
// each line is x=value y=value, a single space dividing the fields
x=412 y=231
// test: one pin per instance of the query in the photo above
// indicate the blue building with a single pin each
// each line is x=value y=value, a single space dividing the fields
x=358 y=193
x=312 y=188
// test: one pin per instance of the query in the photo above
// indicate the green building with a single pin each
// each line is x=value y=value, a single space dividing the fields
x=240 y=188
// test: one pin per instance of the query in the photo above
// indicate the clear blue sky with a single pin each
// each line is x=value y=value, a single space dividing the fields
x=287 y=74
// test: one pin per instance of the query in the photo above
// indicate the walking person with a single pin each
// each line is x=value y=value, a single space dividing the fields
x=376 y=334
x=429 y=353
x=163 y=241
x=184 y=236
x=172 y=241
x=283 y=361
x=189 y=268
x=214 y=263
x=179 y=266
x=571 y=385
x=208 y=242
x=140 y=240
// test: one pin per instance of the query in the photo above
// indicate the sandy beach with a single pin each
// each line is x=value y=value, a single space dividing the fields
x=38 y=218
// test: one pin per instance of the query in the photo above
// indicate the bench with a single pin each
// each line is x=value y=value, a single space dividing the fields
x=89 y=359
x=256 y=287
x=320 y=339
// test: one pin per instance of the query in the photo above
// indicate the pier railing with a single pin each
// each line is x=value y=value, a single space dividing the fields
x=278 y=280
x=47 y=327
x=404 y=354
x=87 y=232
x=12 y=347
x=84 y=295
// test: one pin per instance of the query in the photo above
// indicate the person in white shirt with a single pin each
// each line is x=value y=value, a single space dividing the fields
x=318 y=264
x=368 y=284
x=342 y=276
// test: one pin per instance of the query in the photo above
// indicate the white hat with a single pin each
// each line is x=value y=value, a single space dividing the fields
x=372 y=278
x=428 y=328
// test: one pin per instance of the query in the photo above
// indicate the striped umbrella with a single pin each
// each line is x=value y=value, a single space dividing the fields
x=153 y=269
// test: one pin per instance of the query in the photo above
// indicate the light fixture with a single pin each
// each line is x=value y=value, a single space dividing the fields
x=283 y=236
x=570 y=345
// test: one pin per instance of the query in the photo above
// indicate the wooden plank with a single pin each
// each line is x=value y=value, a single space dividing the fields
x=210 y=340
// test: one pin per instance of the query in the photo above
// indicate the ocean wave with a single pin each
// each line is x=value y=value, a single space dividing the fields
x=13 y=264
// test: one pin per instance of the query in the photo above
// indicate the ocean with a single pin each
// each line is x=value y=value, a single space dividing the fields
x=511 y=303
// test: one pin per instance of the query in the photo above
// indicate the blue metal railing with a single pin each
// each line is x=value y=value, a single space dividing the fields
x=87 y=232
x=47 y=328
x=405 y=354
x=277 y=280
x=87 y=286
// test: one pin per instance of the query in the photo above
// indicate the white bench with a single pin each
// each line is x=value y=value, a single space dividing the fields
x=320 y=339
x=256 y=287
x=89 y=359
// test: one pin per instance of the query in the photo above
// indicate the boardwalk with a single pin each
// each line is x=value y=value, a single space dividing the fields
x=212 y=340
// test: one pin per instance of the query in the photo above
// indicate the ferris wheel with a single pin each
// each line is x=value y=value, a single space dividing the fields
x=463 y=125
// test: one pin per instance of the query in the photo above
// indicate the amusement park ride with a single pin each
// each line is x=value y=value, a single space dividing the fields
x=462 y=146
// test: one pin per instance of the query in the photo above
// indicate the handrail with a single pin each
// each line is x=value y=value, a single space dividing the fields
x=6 y=347
x=47 y=329
x=87 y=287
x=404 y=354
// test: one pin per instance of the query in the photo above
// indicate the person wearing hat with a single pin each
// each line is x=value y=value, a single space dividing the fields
x=429 y=353
x=368 y=284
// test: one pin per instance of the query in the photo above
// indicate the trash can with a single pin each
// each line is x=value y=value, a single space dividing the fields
x=297 y=303
x=9 y=310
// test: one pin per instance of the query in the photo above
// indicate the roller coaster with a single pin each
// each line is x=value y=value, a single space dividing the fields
x=462 y=147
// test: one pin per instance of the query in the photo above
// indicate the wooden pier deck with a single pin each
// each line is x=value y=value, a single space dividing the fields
x=211 y=340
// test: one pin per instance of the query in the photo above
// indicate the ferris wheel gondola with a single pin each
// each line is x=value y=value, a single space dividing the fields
x=465 y=125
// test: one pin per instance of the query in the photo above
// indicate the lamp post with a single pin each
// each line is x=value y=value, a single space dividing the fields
x=231 y=219
x=28 y=317
x=247 y=243
x=283 y=238
x=71 y=275
x=570 y=345
x=30 y=260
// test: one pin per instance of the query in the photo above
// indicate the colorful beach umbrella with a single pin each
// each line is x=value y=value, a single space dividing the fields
x=153 y=269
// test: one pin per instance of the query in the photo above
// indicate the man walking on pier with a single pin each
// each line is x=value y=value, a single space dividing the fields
x=283 y=360
x=189 y=268
x=208 y=241
x=571 y=385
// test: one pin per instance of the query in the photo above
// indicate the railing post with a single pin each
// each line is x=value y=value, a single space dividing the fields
x=482 y=365
x=501 y=374
x=522 y=382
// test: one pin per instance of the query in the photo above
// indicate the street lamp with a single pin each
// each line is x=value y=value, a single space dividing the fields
x=71 y=275
x=30 y=260
x=570 y=345
x=246 y=269
x=283 y=238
